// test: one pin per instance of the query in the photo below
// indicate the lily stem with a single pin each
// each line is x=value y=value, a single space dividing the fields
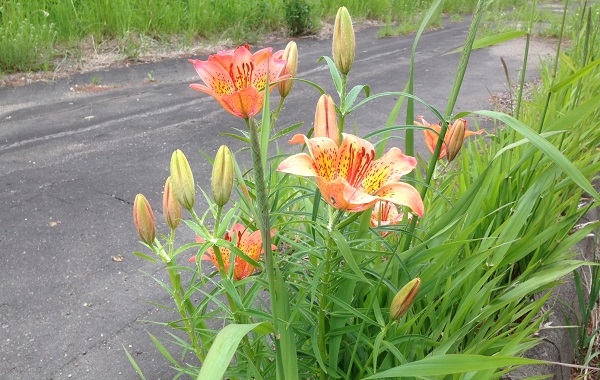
x=276 y=284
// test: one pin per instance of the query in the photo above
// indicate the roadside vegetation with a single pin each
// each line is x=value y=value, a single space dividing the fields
x=47 y=35
x=461 y=291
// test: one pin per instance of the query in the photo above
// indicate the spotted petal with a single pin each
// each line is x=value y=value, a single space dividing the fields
x=214 y=76
x=342 y=196
x=354 y=158
x=243 y=103
x=402 y=194
x=389 y=168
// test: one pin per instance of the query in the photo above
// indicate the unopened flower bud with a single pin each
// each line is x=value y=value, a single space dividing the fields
x=171 y=206
x=343 y=41
x=404 y=299
x=182 y=180
x=290 y=54
x=222 y=176
x=326 y=119
x=143 y=218
x=455 y=137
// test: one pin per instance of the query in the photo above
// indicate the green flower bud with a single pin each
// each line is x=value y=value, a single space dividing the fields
x=143 y=218
x=182 y=180
x=344 y=44
x=290 y=54
x=171 y=206
x=222 y=176
x=404 y=299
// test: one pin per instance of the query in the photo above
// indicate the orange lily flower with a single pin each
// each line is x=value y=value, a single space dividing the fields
x=454 y=131
x=236 y=77
x=385 y=214
x=247 y=242
x=350 y=178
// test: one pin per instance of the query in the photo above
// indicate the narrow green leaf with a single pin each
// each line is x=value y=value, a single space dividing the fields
x=134 y=364
x=451 y=364
x=335 y=74
x=575 y=76
x=492 y=40
x=344 y=248
x=144 y=256
x=163 y=350
x=545 y=146
x=222 y=350
x=353 y=94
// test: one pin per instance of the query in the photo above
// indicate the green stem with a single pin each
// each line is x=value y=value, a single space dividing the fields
x=285 y=346
x=342 y=106
x=370 y=358
x=177 y=294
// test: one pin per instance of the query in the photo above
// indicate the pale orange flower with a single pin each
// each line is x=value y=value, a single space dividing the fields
x=247 y=242
x=350 y=178
x=235 y=78
x=385 y=214
x=451 y=146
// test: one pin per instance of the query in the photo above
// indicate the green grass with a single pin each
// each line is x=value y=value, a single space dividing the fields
x=35 y=34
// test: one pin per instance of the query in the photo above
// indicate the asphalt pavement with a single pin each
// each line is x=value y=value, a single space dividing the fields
x=72 y=159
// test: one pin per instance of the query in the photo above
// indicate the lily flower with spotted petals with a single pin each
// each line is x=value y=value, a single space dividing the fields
x=247 y=242
x=236 y=77
x=350 y=178
x=453 y=139
x=385 y=214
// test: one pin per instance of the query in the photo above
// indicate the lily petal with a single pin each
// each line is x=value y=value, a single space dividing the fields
x=403 y=194
x=214 y=76
x=243 y=103
x=389 y=168
x=353 y=159
x=341 y=195
x=299 y=164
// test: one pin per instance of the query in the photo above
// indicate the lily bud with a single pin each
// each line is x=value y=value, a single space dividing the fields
x=326 y=119
x=344 y=44
x=182 y=180
x=143 y=218
x=171 y=206
x=290 y=54
x=455 y=137
x=404 y=299
x=222 y=176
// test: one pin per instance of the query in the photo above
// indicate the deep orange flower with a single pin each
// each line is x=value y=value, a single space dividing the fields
x=350 y=178
x=450 y=144
x=385 y=214
x=236 y=77
x=247 y=242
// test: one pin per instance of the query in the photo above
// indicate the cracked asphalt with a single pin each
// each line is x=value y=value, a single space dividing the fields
x=72 y=159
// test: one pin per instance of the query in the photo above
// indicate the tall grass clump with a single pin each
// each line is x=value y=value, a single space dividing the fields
x=27 y=38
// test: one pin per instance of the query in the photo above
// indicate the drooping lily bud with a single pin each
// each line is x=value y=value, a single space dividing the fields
x=143 y=218
x=404 y=299
x=455 y=137
x=326 y=119
x=222 y=176
x=344 y=44
x=182 y=180
x=290 y=54
x=171 y=206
